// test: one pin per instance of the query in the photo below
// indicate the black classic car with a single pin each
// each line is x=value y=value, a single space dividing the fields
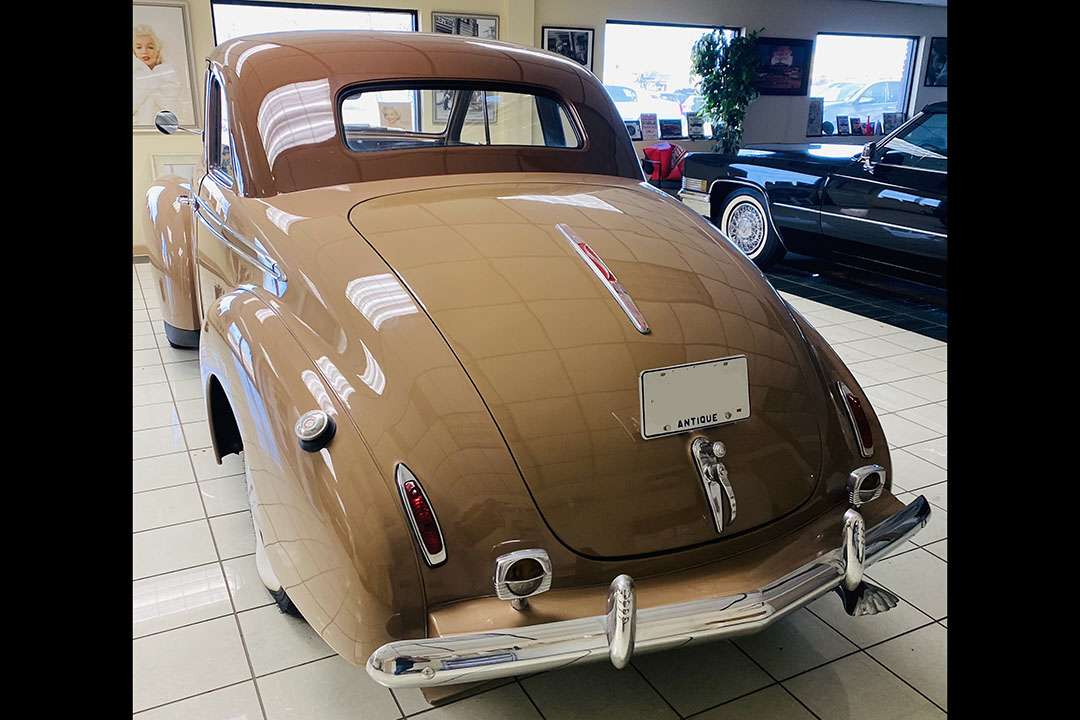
x=883 y=208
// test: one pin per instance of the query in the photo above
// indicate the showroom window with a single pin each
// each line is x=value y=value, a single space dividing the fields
x=647 y=68
x=234 y=18
x=862 y=76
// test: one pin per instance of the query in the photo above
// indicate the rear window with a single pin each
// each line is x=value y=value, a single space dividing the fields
x=415 y=117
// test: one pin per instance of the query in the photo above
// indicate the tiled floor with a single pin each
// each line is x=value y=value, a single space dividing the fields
x=209 y=643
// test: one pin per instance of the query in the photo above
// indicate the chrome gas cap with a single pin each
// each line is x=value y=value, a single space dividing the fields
x=315 y=429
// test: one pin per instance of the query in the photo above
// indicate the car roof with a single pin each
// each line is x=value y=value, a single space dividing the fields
x=283 y=90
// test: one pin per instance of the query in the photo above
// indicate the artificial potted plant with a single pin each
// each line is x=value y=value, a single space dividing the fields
x=727 y=70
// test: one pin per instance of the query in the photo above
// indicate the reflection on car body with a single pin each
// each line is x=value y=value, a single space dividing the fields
x=431 y=344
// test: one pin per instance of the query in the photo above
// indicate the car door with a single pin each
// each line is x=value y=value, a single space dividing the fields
x=228 y=255
x=896 y=200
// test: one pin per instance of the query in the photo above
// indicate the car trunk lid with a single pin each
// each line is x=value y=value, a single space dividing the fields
x=557 y=360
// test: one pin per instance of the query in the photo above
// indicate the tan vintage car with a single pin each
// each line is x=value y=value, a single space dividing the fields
x=503 y=406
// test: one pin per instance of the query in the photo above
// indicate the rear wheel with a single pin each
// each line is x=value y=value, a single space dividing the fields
x=745 y=221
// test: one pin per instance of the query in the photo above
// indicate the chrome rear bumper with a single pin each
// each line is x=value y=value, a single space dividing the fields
x=696 y=201
x=485 y=655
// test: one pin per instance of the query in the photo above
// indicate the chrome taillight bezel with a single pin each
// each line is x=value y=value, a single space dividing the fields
x=864 y=449
x=402 y=475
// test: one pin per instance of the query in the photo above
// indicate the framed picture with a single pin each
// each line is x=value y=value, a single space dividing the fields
x=937 y=68
x=182 y=165
x=481 y=26
x=574 y=43
x=163 y=75
x=785 y=66
x=633 y=128
x=443 y=100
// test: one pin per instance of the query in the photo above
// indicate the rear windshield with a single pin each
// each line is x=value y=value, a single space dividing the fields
x=415 y=117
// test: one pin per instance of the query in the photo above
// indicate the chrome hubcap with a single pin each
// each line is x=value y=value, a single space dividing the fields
x=746 y=228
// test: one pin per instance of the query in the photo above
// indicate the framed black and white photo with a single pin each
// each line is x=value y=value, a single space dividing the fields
x=443 y=100
x=574 y=43
x=937 y=67
x=481 y=26
x=163 y=76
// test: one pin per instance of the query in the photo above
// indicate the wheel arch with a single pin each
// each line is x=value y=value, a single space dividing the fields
x=358 y=584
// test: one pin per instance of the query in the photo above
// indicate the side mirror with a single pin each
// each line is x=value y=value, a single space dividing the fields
x=166 y=122
x=867 y=155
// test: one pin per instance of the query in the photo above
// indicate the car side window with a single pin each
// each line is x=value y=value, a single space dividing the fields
x=219 y=144
x=924 y=144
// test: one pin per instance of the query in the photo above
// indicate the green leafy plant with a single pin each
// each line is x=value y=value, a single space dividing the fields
x=727 y=71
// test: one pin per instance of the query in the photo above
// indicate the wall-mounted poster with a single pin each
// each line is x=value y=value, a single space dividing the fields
x=842 y=127
x=574 y=43
x=695 y=125
x=890 y=121
x=481 y=26
x=650 y=127
x=937 y=68
x=671 y=128
x=633 y=127
x=163 y=76
x=814 y=117
x=856 y=125
x=396 y=115
x=785 y=66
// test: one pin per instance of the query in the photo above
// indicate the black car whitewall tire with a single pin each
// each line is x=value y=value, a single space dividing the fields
x=743 y=218
x=262 y=562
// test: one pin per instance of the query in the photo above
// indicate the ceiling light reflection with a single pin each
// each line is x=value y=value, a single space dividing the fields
x=379 y=298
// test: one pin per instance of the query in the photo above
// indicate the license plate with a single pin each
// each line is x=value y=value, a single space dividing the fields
x=694 y=396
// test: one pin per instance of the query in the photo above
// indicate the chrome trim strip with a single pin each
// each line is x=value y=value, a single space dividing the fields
x=878 y=222
x=402 y=474
x=533 y=648
x=795 y=207
x=863 y=450
x=240 y=247
x=593 y=261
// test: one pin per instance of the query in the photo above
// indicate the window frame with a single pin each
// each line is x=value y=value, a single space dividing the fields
x=458 y=112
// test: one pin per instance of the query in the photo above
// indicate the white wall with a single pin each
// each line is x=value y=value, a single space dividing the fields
x=769 y=119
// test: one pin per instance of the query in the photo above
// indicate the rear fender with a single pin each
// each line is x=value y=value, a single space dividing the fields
x=168 y=225
x=334 y=533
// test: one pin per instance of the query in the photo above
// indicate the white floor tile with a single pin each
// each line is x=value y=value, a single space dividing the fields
x=155 y=415
x=171 y=548
x=206 y=467
x=191 y=389
x=840 y=334
x=242 y=579
x=795 y=643
x=236 y=702
x=150 y=394
x=933 y=451
x=596 y=690
x=939 y=549
x=141 y=358
x=161 y=471
x=920 y=659
x=915 y=341
x=147 y=374
x=901 y=432
x=871 y=629
x=180 y=598
x=187 y=370
x=234 y=534
x=886 y=398
x=329 y=689
x=918 y=577
x=911 y=472
x=505 y=701
x=168 y=506
x=192 y=410
x=773 y=703
x=934 y=416
x=156 y=441
x=224 y=495
x=878 y=347
x=276 y=641
x=187 y=661
x=857 y=687
x=197 y=434
x=931 y=388
x=697 y=677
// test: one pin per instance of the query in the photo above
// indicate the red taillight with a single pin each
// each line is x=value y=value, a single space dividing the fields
x=859 y=422
x=425 y=519
x=421 y=516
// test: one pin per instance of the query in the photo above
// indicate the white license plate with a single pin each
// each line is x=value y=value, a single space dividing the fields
x=694 y=396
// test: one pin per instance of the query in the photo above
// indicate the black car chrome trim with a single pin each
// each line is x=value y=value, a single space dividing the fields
x=878 y=222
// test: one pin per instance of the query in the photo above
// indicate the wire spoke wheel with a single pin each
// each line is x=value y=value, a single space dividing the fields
x=746 y=227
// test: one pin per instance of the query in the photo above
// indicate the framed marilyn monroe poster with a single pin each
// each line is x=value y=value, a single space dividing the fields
x=162 y=74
